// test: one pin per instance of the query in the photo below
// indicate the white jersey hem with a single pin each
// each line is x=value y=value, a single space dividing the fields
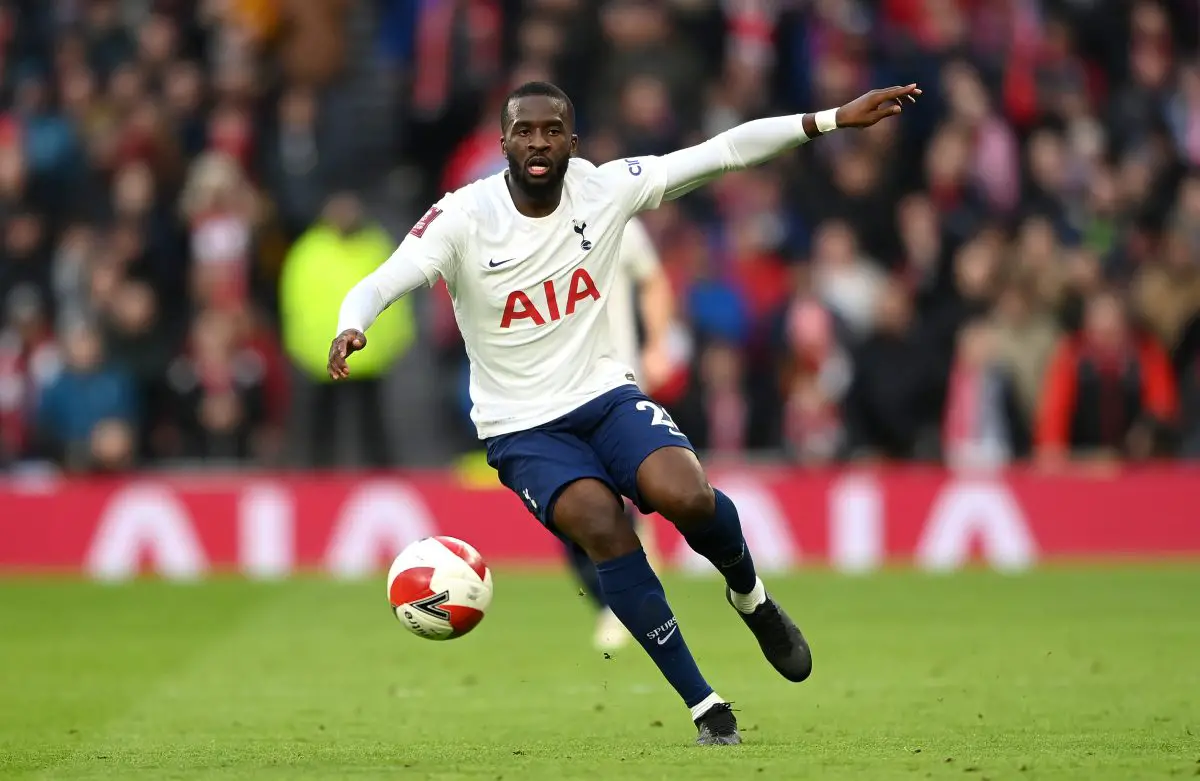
x=488 y=430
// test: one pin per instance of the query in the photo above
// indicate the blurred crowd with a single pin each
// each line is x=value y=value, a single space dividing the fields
x=1009 y=271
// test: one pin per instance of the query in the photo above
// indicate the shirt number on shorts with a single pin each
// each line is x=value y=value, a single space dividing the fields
x=661 y=417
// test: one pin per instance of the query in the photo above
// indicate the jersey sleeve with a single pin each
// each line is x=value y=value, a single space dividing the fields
x=641 y=183
x=434 y=244
x=738 y=148
x=637 y=251
x=635 y=183
x=430 y=251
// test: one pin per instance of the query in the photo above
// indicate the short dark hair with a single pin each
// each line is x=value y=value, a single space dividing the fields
x=530 y=88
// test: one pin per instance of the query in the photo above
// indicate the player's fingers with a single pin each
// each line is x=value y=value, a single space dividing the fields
x=895 y=93
x=337 y=359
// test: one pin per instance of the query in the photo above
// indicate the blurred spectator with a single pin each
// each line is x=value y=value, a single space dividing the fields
x=1137 y=105
x=815 y=375
x=849 y=283
x=218 y=391
x=222 y=211
x=299 y=175
x=1108 y=392
x=955 y=194
x=29 y=358
x=1186 y=360
x=87 y=414
x=974 y=270
x=1167 y=293
x=642 y=42
x=891 y=405
x=717 y=410
x=983 y=426
x=1026 y=337
x=24 y=255
x=329 y=259
x=1183 y=114
x=994 y=157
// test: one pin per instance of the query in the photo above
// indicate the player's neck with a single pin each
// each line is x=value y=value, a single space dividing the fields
x=533 y=205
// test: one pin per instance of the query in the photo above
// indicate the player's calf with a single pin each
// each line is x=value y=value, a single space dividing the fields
x=672 y=481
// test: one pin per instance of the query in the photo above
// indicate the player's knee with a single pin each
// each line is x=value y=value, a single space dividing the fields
x=609 y=544
x=589 y=513
x=687 y=504
x=604 y=535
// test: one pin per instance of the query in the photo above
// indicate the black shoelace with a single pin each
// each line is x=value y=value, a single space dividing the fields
x=719 y=719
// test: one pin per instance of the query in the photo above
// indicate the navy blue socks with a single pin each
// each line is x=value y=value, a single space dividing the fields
x=722 y=543
x=634 y=593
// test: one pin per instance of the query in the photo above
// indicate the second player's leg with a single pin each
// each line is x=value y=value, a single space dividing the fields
x=585 y=572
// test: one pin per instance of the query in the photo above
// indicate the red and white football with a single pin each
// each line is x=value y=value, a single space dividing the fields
x=440 y=588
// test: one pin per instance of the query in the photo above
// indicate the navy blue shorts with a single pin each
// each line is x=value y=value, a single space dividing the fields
x=606 y=439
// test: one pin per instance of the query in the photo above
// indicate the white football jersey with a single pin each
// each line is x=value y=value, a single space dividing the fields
x=531 y=295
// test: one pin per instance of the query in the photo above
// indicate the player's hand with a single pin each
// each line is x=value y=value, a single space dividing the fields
x=347 y=342
x=876 y=105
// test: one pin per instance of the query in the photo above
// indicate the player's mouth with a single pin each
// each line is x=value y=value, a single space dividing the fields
x=537 y=166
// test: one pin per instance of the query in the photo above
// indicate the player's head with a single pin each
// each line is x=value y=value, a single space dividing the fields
x=537 y=125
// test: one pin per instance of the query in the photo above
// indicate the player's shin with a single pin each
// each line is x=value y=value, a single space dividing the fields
x=635 y=594
x=721 y=542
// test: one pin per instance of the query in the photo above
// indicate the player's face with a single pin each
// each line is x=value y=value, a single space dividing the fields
x=538 y=143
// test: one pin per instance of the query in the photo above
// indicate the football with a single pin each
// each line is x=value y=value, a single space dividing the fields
x=439 y=588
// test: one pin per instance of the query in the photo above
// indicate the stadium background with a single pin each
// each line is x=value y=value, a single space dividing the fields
x=974 y=330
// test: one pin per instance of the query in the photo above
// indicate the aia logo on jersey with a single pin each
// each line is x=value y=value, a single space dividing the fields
x=521 y=307
x=422 y=225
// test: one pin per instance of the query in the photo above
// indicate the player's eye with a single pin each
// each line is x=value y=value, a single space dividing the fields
x=554 y=131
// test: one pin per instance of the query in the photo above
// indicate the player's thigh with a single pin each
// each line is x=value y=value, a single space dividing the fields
x=673 y=481
x=650 y=459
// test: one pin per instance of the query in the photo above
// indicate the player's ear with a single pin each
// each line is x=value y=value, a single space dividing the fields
x=574 y=143
x=503 y=146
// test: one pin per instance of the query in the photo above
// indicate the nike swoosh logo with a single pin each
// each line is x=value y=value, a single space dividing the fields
x=494 y=264
x=662 y=640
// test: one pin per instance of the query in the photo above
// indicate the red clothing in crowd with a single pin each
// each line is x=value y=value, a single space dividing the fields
x=1091 y=399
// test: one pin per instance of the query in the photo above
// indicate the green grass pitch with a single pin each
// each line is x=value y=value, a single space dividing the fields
x=1087 y=673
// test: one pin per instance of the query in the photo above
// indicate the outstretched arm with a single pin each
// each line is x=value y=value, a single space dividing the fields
x=428 y=252
x=759 y=140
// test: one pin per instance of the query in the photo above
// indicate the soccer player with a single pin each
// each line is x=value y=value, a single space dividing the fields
x=530 y=259
x=640 y=272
